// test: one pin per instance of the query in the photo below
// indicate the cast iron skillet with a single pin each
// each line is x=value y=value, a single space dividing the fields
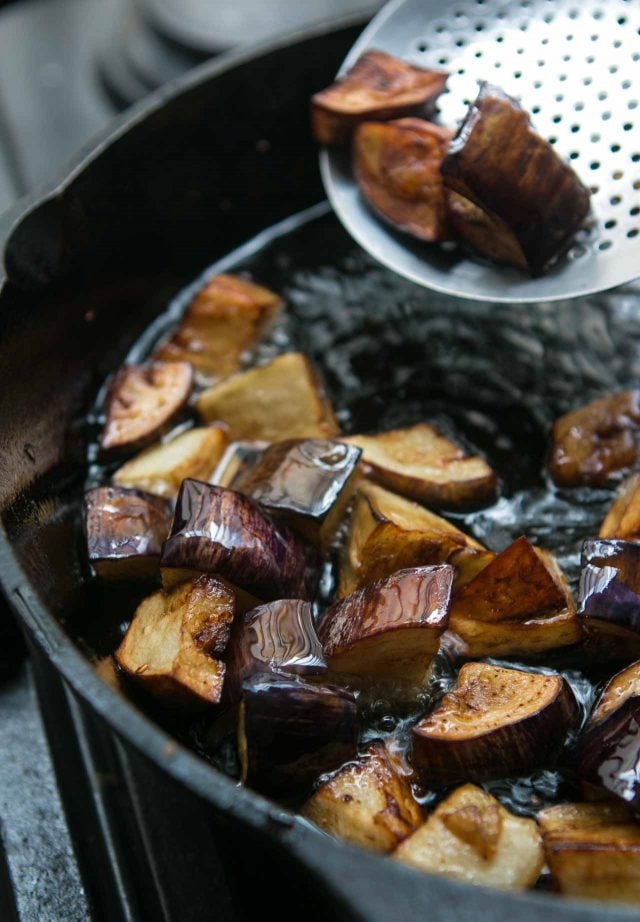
x=204 y=165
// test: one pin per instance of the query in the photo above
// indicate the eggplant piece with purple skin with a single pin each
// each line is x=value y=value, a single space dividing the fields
x=610 y=596
x=278 y=637
x=498 y=169
x=223 y=532
x=290 y=732
x=125 y=530
x=496 y=722
x=306 y=483
x=609 y=752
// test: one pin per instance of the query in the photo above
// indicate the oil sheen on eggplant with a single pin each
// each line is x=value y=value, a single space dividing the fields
x=494 y=376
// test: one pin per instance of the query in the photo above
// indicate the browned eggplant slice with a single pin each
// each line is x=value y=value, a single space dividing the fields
x=593 y=851
x=307 y=483
x=142 y=402
x=397 y=167
x=174 y=642
x=470 y=836
x=390 y=630
x=237 y=461
x=125 y=530
x=534 y=201
x=223 y=321
x=162 y=468
x=378 y=87
x=280 y=400
x=623 y=518
x=486 y=233
x=421 y=464
x=496 y=722
x=367 y=802
x=596 y=441
x=290 y=732
x=609 y=754
x=222 y=532
x=610 y=597
x=519 y=605
x=388 y=533
x=278 y=637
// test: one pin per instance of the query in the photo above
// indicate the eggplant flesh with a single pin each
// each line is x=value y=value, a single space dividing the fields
x=223 y=532
x=278 y=637
x=596 y=442
x=623 y=518
x=610 y=595
x=125 y=530
x=378 y=87
x=500 y=165
x=397 y=168
x=496 y=722
x=290 y=732
x=306 y=483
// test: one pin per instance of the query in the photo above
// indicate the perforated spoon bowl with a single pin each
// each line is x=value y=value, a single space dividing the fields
x=575 y=66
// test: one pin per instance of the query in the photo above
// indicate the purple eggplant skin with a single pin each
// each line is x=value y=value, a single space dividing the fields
x=220 y=531
x=609 y=595
x=279 y=637
x=125 y=530
x=609 y=753
x=290 y=732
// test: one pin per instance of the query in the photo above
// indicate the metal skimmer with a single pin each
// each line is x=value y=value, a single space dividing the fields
x=575 y=66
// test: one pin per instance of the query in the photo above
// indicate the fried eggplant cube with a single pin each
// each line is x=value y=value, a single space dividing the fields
x=142 y=403
x=623 y=518
x=307 y=483
x=593 y=851
x=471 y=837
x=389 y=631
x=280 y=400
x=533 y=200
x=173 y=646
x=125 y=530
x=610 y=597
x=161 y=469
x=592 y=444
x=519 y=605
x=397 y=168
x=378 y=87
x=220 y=531
x=367 y=803
x=496 y=722
x=388 y=533
x=420 y=463
x=290 y=732
x=223 y=322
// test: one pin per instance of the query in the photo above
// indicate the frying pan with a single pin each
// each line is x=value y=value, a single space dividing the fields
x=204 y=165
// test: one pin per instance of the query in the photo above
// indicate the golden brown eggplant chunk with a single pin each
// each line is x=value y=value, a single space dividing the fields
x=162 y=468
x=367 y=803
x=534 y=201
x=236 y=462
x=142 y=402
x=596 y=441
x=378 y=87
x=290 y=732
x=593 y=851
x=471 y=837
x=279 y=637
x=223 y=321
x=222 y=532
x=390 y=630
x=174 y=642
x=623 y=518
x=397 y=167
x=496 y=722
x=280 y=400
x=125 y=530
x=519 y=605
x=307 y=483
x=421 y=464
x=388 y=533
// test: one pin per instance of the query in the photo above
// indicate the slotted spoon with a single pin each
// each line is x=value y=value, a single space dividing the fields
x=575 y=66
